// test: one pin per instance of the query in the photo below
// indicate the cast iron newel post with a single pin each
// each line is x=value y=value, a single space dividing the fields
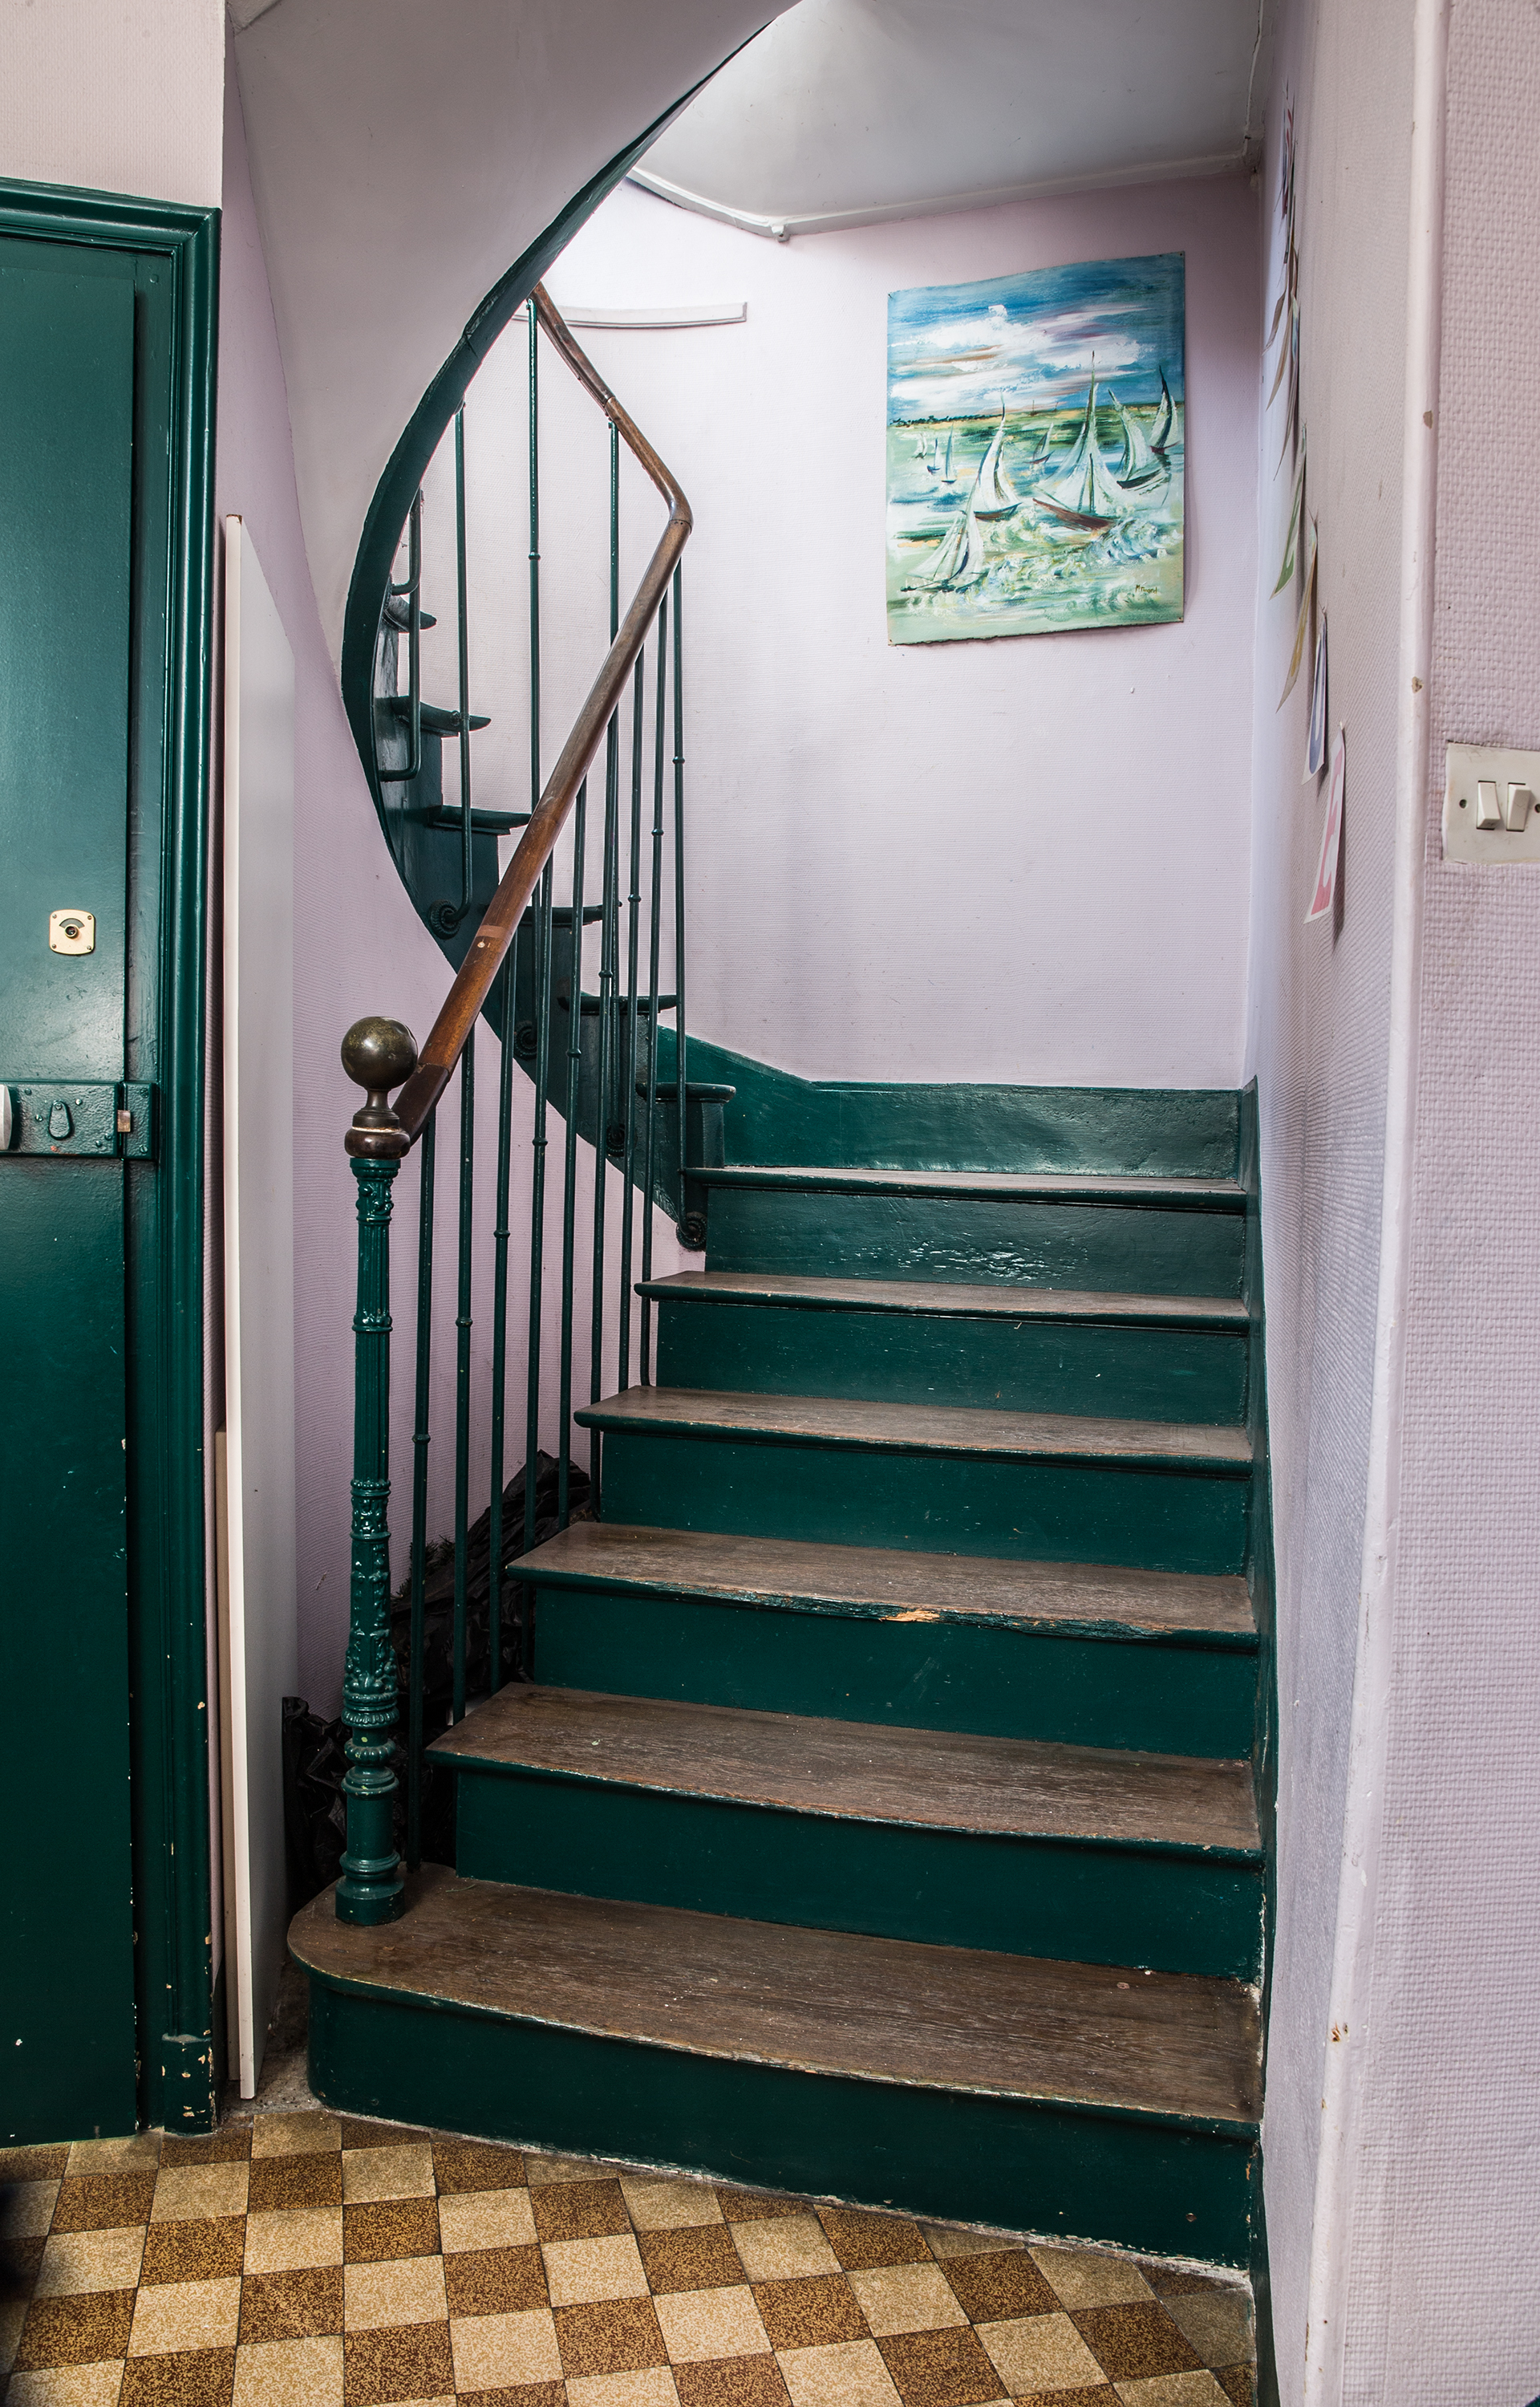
x=378 y=1055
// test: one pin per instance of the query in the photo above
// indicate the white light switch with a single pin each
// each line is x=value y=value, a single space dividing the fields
x=1492 y=813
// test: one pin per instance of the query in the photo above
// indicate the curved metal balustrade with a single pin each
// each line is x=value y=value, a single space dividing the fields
x=599 y=1058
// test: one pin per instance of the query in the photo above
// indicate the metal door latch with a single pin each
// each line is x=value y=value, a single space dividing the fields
x=80 y=1120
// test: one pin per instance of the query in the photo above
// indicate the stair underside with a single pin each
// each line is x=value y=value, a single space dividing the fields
x=959 y=1300
x=1165 y=2045
x=921 y=1428
x=863 y=1772
x=1038 y=1187
x=891 y=1584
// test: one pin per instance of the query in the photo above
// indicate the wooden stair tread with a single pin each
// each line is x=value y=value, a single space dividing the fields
x=961 y=1299
x=864 y=1772
x=893 y=1583
x=1030 y=1186
x=927 y=1429
x=1180 y=2047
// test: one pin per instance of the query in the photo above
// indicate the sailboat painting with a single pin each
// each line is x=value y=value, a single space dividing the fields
x=1037 y=451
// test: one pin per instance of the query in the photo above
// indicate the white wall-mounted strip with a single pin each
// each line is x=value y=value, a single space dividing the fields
x=660 y=319
x=781 y=228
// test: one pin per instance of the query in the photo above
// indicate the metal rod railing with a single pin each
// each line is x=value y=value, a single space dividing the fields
x=499 y=1326
x=421 y=1440
x=462 y=1360
x=660 y=740
x=627 y=1075
x=462 y=615
x=569 y=1184
x=516 y=951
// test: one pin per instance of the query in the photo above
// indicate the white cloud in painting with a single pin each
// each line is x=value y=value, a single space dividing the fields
x=969 y=363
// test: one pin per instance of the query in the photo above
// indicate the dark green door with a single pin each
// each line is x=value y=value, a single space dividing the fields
x=67 y=2035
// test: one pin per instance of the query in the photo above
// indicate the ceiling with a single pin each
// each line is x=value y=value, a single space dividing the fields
x=846 y=111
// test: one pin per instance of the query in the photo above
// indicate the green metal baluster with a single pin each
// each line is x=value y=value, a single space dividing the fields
x=660 y=720
x=608 y=966
x=378 y=1055
x=421 y=1439
x=465 y=867
x=500 y=1318
x=628 y=1142
x=411 y=592
x=569 y=1192
x=543 y=1007
x=463 y=1359
x=686 y=1230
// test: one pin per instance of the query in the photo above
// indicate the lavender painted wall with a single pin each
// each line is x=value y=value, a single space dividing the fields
x=358 y=945
x=1023 y=860
x=1403 y=2116
x=1319 y=1002
x=1443 y=2307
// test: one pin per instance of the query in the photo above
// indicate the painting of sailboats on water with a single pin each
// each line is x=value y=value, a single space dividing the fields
x=1036 y=451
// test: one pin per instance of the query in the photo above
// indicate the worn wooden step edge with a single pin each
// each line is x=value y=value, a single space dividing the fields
x=1029 y=1185
x=1192 y=1609
x=942 y=1299
x=878 y=1774
x=881 y=1427
x=1176 y=2050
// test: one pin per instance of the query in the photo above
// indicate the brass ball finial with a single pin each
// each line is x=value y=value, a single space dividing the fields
x=377 y=1054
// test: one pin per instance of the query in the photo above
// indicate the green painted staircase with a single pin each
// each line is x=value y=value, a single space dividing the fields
x=882 y=1818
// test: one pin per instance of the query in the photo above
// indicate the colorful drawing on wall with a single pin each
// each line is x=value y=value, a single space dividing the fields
x=1036 y=449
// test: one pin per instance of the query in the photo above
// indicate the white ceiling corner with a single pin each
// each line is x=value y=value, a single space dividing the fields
x=846 y=111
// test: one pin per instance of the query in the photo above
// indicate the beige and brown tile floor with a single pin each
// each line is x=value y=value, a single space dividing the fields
x=304 y=2260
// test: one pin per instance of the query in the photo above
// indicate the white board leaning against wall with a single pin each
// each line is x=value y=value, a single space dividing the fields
x=258 y=1634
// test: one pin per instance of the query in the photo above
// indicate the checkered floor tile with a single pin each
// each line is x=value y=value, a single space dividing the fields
x=306 y=2260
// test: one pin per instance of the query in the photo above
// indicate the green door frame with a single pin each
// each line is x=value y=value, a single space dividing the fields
x=175 y=253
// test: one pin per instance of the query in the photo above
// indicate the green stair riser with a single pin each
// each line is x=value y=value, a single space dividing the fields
x=952 y=1888
x=936 y=1675
x=1009 y=2163
x=1166 y=1375
x=777 y=1116
x=1122 y=1249
x=944 y=1504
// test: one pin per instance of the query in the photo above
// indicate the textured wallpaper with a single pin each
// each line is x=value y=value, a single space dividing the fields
x=1320 y=1001
x=1446 y=2307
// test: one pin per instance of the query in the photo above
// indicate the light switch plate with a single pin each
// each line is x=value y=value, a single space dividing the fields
x=1465 y=766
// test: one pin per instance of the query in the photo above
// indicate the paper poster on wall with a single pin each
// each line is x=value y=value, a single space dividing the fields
x=1330 y=834
x=1315 y=741
x=1036 y=451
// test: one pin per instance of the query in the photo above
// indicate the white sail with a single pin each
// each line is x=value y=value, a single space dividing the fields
x=961 y=559
x=947 y=476
x=1084 y=491
x=1165 y=418
x=1139 y=464
x=993 y=496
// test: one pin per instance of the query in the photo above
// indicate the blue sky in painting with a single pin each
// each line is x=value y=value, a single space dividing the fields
x=955 y=350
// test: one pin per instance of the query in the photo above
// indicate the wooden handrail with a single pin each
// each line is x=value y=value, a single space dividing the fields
x=490 y=947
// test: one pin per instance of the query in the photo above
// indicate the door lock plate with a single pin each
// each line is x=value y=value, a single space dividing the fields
x=72 y=932
x=79 y=1118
